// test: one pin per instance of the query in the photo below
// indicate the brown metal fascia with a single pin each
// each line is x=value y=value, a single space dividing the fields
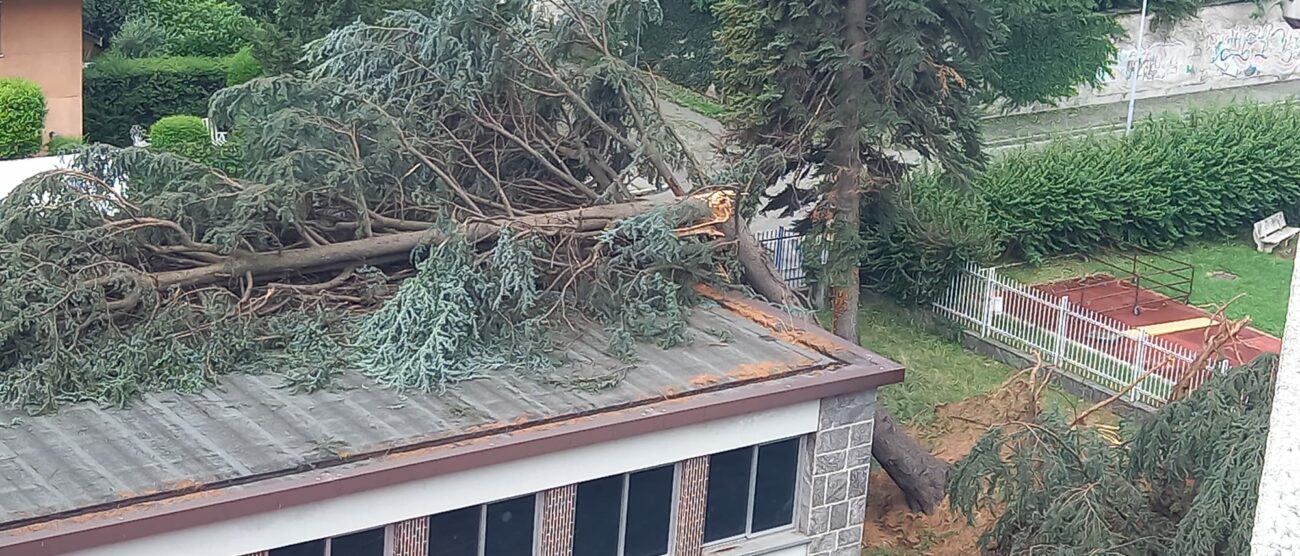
x=206 y=507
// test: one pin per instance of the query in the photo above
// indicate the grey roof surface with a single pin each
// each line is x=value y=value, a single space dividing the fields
x=86 y=457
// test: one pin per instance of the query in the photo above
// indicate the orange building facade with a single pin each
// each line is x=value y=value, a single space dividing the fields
x=41 y=40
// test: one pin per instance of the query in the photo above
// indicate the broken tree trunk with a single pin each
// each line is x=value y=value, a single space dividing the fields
x=922 y=477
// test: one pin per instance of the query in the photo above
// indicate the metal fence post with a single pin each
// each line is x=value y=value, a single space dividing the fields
x=1139 y=362
x=986 y=319
x=1062 y=316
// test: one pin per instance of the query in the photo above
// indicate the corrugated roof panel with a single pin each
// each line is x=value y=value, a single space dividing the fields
x=85 y=457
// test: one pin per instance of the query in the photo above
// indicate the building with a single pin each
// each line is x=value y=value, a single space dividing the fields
x=41 y=40
x=754 y=439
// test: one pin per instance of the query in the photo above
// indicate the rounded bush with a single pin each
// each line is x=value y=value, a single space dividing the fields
x=22 y=118
x=182 y=135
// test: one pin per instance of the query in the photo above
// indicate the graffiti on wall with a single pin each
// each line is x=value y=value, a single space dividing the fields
x=1225 y=46
x=1257 y=51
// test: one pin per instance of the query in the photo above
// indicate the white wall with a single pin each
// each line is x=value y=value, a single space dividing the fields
x=13 y=172
x=448 y=492
x=1224 y=47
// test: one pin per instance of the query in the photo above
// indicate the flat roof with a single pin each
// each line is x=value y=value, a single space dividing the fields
x=74 y=474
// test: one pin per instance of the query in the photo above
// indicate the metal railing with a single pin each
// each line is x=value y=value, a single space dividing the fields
x=786 y=248
x=1087 y=346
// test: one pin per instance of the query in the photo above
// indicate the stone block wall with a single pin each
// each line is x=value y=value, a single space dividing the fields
x=840 y=456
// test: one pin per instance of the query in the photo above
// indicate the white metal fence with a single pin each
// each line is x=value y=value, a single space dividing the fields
x=1085 y=345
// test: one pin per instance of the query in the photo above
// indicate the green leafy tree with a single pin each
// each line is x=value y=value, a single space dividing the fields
x=199 y=27
x=285 y=26
x=141 y=37
x=1185 y=483
x=22 y=119
x=826 y=91
x=420 y=175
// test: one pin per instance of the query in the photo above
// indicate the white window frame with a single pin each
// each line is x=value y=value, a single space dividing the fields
x=482 y=524
x=800 y=462
x=622 y=505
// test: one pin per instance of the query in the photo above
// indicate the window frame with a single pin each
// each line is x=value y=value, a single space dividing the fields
x=483 y=523
x=801 y=457
x=329 y=541
x=626 y=481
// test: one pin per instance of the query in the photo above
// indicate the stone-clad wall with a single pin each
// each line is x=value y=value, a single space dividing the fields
x=840 y=456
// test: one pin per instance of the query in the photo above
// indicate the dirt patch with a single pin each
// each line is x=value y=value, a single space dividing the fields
x=891 y=529
x=1220 y=275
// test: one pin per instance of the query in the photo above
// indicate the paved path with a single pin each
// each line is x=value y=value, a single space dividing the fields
x=1014 y=130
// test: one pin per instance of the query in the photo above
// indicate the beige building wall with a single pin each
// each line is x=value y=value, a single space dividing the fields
x=41 y=40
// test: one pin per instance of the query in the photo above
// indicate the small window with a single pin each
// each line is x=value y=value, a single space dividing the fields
x=503 y=528
x=625 y=515
x=364 y=543
x=751 y=490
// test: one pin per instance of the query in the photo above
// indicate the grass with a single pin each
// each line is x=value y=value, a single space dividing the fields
x=1262 y=280
x=939 y=369
x=692 y=100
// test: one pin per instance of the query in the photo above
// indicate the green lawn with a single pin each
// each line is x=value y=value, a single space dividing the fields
x=1264 y=279
x=939 y=369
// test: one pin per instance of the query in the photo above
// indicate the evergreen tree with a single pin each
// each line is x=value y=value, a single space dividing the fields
x=420 y=175
x=825 y=91
x=1185 y=482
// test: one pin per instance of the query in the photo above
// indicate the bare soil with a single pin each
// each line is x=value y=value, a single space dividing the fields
x=891 y=529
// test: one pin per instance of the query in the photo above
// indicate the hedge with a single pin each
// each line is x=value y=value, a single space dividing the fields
x=1205 y=174
x=1209 y=173
x=120 y=93
x=22 y=118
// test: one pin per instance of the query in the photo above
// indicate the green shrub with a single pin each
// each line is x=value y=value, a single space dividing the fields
x=680 y=47
x=917 y=237
x=22 y=118
x=141 y=37
x=182 y=135
x=120 y=93
x=63 y=144
x=1205 y=174
x=242 y=67
x=200 y=27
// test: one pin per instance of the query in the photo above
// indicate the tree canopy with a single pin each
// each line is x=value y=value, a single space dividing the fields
x=422 y=175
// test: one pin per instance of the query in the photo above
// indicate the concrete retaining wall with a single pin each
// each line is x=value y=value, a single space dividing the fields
x=1228 y=45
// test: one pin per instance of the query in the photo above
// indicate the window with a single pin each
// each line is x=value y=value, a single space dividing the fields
x=364 y=543
x=625 y=515
x=499 y=529
x=751 y=490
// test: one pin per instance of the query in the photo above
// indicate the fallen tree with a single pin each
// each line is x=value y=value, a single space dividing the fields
x=431 y=199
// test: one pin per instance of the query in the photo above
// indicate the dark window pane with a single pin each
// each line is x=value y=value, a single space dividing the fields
x=649 y=511
x=728 y=495
x=510 y=528
x=778 y=466
x=595 y=522
x=365 y=543
x=310 y=548
x=455 y=533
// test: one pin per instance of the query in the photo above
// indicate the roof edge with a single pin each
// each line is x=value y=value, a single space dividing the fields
x=69 y=534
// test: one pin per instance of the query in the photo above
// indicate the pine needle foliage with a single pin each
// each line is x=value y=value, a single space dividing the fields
x=1184 y=483
x=365 y=228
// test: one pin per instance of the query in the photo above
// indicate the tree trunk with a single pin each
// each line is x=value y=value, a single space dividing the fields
x=387 y=247
x=922 y=477
x=757 y=268
x=845 y=198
